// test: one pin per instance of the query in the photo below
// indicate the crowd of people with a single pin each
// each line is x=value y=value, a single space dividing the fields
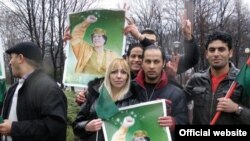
x=35 y=108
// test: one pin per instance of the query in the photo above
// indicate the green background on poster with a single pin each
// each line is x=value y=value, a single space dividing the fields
x=113 y=21
x=146 y=119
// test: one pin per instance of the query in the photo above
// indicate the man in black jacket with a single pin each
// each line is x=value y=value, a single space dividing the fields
x=36 y=109
x=209 y=88
x=152 y=83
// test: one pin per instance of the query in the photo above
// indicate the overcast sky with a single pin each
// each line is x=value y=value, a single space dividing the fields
x=113 y=3
x=110 y=4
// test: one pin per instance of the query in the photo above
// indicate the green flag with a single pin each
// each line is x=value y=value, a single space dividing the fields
x=2 y=90
x=105 y=106
x=243 y=78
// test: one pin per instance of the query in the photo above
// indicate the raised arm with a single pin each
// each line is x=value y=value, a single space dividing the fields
x=192 y=53
x=79 y=32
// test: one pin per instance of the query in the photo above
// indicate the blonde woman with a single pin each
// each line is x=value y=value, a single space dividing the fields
x=116 y=83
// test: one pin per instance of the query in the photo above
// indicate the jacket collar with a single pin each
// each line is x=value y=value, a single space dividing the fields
x=233 y=71
x=141 y=76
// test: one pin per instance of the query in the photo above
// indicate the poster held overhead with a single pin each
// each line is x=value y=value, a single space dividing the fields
x=96 y=39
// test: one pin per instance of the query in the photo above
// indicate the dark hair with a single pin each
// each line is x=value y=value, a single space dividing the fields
x=220 y=35
x=104 y=36
x=131 y=46
x=149 y=31
x=153 y=46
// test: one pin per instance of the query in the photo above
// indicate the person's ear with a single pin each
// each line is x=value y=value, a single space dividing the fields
x=230 y=53
x=21 y=58
x=206 y=52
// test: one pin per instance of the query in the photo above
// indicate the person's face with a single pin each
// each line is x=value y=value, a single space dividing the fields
x=135 y=59
x=152 y=65
x=14 y=63
x=98 y=40
x=118 y=78
x=218 y=54
x=151 y=37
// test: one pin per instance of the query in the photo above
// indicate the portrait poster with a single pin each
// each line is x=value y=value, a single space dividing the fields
x=97 y=38
x=137 y=122
x=2 y=69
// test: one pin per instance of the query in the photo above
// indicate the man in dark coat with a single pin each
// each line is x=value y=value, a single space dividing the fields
x=152 y=83
x=208 y=89
x=36 y=109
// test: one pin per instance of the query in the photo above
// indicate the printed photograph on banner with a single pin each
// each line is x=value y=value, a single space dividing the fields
x=2 y=70
x=137 y=122
x=96 y=39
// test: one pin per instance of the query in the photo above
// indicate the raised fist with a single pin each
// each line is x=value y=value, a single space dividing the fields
x=128 y=121
x=91 y=19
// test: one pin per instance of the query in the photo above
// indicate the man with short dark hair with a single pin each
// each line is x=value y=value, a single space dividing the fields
x=134 y=58
x=208 y=89
x=152 y=83
x=35 y=109
x=149 y=36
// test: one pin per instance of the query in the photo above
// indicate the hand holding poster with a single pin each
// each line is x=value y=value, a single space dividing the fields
x=136 y=122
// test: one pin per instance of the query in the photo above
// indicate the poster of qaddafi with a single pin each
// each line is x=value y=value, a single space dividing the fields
x=96 y=39
x=137 y=123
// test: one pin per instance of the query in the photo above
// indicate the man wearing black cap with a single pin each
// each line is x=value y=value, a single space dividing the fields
x=35 y=109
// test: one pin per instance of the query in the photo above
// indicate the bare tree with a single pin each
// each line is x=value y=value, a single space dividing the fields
x=160 y=16
x=226 y=15
x=43 y=22
x=208 y=16
x=239 y=22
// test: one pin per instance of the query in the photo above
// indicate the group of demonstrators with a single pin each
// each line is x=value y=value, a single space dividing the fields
x=35 y=109
x=150 y=81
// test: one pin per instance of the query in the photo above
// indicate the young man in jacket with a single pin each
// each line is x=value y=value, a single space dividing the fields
x=209 y=88
x=152 y=83
x=36 y=109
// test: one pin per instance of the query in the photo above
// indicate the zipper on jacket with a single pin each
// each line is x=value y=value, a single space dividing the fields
x=211 y=108
x=147 y=97
x=215 y=93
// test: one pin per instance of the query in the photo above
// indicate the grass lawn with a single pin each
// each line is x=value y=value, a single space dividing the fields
x=72 y=112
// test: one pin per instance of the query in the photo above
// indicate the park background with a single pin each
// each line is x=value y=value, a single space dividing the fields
x=44 y=22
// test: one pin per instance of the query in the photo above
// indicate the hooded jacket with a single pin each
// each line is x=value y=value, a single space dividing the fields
x=174 y=96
